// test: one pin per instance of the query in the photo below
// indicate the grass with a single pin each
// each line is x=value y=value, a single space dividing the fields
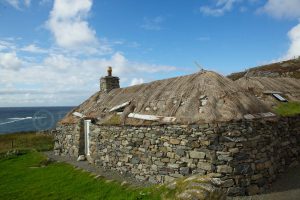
x=28 y=175
x=23 y=177
x=25 y=141
x=288 y=109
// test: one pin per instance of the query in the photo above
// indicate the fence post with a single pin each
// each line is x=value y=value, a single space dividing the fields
x=12 y=144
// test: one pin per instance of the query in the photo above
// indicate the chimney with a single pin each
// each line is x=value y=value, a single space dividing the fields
x=109 y=82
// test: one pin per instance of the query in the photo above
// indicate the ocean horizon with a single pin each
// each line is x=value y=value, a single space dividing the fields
x=23 y=119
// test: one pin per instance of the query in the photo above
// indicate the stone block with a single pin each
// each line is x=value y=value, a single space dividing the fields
x=205 y=166
x=185 y=170
x=174 y=141
x=197 y=154
x=224 y=169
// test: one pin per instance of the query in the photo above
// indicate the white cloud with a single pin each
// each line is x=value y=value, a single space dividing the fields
x=68 y=24
x=32 y=48
x=10 y=61
x=13 y=3
x=294 y=49
x=282 y=8
x=66 y=80
x=154 y=24
x=136 y=81
x=17 y=4
x=220 y=8
x=27 y=3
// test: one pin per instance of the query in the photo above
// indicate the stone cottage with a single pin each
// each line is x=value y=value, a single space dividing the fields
x=194 y=124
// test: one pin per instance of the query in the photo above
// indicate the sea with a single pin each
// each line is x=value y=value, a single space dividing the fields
x=23 y=119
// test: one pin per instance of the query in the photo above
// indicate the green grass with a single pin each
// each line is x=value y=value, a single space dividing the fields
x=288 y=109
x=40 y=142
x=28 y=175
x=23 y=177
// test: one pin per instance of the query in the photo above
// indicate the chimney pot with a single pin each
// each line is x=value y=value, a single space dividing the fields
x=109 y=71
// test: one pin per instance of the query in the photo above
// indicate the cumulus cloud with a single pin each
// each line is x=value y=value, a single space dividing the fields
x=68 y=24
x=282 y=8
x=10 y=61
x=60 y=75
x=294 y=49
x=65 y=79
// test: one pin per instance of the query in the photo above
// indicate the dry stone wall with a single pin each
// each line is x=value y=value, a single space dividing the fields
x=242 y=157
x=67 y=140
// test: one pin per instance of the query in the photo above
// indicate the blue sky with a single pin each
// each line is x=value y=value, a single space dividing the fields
x=53 y=52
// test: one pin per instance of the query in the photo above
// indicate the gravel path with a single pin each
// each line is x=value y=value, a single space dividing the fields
x=107 y=174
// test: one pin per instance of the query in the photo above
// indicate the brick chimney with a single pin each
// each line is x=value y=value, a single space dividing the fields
x=109 y=82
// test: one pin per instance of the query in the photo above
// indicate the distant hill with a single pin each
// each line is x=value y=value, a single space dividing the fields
x=289 y=68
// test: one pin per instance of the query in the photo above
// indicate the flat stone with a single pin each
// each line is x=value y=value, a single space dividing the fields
x=174 y=141
x=205 y=166
x=224 y=169
x=173 y=166
x=197 y=154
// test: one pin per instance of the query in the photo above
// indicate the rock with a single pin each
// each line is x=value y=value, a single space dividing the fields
x=185 y=170
x=180 y=152
x=224 y=183
x=243 y=169
x=252 y=190
x=81 y=158
x=173 y=166
x=224 y=169
x=174 y=141
x=235 y=191
x=193 y=188
x=197 y=154
x=256 y=177
x=205 y=166
x=135 y=160
x=165 y=160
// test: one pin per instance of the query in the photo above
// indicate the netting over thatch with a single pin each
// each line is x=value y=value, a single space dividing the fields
x=200 y=97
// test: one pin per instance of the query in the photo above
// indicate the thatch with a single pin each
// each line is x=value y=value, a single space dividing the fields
x=200 y=97
x=288 y=87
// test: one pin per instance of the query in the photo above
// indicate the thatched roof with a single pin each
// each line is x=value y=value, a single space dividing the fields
x=288 y=87
x=196 y=98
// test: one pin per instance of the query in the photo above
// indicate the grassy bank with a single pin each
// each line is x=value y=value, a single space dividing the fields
x=25 y=141
x=26 y=177
x=288 y=109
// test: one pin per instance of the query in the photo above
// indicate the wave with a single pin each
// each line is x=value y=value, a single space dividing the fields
x=17 y=119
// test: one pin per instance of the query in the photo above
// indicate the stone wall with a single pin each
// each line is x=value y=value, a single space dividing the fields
x=67 y=140
x=242 y=157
